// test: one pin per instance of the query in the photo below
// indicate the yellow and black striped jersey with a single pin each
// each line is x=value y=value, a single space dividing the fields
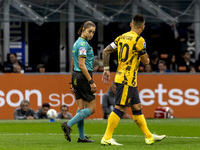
x=129 y=48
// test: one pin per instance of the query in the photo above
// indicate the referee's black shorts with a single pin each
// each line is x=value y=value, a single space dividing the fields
x=82 y=87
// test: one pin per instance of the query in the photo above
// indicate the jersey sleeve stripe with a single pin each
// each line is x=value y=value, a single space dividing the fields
x=137 y=38
x=82 y=56
x=134 y=46
x=142 y=52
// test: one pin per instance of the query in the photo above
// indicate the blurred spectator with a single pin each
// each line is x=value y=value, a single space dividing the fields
x=24 y=112
x=108 y=102
x=197 y=64
x=192 y=69
x=1 y=66
x=98 y=64
x=185 y=62
x=154 y=61
x=17 y=68
x=64 y=114
x=41 y=68
x=171 y=63
x=28 y=69
x=162 y=67
x=42 y=112
x=148 y=68
x=12 y=60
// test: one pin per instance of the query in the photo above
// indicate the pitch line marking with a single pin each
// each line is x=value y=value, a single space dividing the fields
x=100 y=135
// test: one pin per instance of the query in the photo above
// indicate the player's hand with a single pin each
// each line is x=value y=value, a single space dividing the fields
x=106 y=76
x=93 y=87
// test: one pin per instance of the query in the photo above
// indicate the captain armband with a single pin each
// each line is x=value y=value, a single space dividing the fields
x=113 y=45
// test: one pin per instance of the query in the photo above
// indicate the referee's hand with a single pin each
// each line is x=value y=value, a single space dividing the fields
x=93 y=87
x=72 y=89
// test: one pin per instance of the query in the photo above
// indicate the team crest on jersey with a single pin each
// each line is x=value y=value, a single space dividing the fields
x=144 y=45
x=83 y=44
x=82 y=51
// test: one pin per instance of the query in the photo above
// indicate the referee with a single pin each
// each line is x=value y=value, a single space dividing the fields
x=82 y=83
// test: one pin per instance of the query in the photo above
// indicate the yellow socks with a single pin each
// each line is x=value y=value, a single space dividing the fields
x=113 y=121
x=141 y=122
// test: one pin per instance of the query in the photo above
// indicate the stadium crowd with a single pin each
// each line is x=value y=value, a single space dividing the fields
x=25 y=112
x=163 y=63
x=13 y=65
x=171 y=63
x=159 y=63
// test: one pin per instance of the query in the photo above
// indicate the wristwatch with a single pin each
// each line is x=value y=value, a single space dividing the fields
x=91 y=81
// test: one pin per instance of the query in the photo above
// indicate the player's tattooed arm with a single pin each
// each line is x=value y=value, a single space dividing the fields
x=106 y=58
x=106 y=55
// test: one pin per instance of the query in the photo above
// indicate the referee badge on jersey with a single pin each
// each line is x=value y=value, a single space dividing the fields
x=82 y=51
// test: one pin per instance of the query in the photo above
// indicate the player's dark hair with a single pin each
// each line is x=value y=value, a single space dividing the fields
x=86 y=24
x=138 y=20
x=46 y=105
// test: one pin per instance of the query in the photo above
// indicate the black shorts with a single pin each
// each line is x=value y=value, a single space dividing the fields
x=82 y=87
x=126 y=95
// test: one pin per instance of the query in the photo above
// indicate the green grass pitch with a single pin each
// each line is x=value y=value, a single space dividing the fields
x=182 y=134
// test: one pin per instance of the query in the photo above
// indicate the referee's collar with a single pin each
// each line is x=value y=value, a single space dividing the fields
x=83 y=39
